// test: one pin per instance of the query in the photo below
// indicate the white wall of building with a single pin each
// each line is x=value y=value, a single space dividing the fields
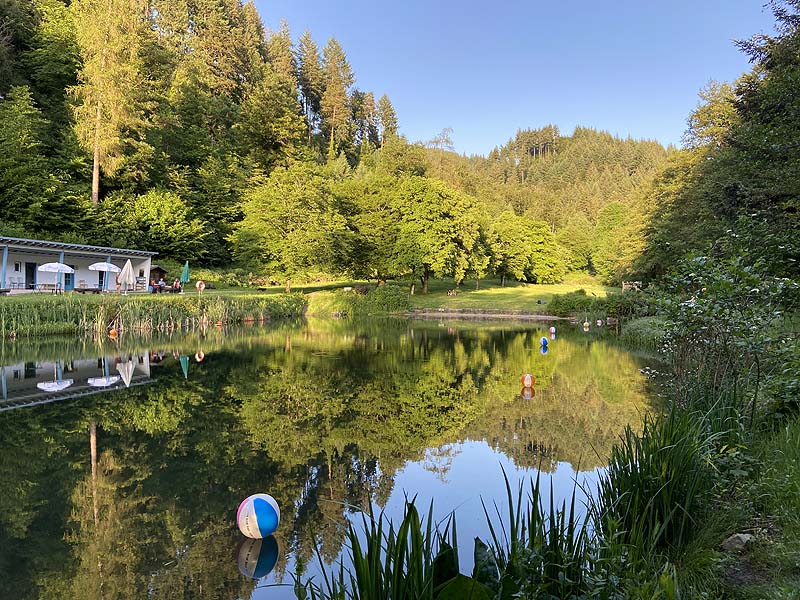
x=22 y=270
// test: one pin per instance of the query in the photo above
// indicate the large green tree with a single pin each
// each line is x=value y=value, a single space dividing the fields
x=335 y=102
x=438 y=231
x=109 y=98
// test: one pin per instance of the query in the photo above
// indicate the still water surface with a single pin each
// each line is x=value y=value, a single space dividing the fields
x=122 y=464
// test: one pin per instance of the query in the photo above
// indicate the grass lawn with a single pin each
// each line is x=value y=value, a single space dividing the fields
x=514 y=296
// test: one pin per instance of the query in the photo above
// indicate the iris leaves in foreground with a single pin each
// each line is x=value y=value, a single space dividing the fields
x=536 y=549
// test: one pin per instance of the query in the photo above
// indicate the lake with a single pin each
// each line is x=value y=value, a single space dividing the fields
x=123 y=462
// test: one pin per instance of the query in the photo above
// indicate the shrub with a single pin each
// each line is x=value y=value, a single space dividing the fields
x=565 y=305
x=644 y=332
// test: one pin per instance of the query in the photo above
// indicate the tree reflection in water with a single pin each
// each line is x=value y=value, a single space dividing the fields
x=321 y=415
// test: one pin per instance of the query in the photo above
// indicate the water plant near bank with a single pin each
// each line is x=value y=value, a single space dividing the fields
x=28 y=316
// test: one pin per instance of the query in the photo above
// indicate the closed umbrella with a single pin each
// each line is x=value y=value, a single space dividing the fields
x=185 y=366
x=185 y=274
x=126 y=371
x=126 y=277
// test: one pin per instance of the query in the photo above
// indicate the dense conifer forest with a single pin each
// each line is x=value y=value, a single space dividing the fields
x=183 y=126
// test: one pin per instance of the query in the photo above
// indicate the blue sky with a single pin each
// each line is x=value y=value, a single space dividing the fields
x=486 y=69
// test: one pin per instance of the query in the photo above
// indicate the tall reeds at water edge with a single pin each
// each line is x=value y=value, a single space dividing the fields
x=29 y=316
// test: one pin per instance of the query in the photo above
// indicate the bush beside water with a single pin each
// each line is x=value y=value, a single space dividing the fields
x=625 y=305
x=27 y=316
x=361 y=301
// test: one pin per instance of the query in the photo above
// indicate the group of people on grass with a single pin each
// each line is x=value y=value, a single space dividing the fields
x=160 y=286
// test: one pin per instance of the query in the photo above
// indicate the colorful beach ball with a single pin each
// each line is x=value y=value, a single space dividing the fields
x=527 y=380
x=552 y=329
x=543 y=341
x=543 y=349
x=258 y=516
x=257 y=558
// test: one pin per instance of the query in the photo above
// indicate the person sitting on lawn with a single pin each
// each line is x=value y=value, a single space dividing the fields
x=161 y=285
x=153 y=286
x=176 y=286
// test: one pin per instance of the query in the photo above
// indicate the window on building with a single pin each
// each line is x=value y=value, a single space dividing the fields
x=17 y=267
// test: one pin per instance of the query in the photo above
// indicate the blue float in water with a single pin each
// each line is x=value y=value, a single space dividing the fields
x=543 y=341
x=543 y=349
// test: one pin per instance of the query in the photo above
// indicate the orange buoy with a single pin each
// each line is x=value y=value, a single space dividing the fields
x=527 y=380
x=112 y=333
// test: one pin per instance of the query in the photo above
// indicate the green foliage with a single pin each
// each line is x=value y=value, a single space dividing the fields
x=380 y=300
x=649 y=498
x=730 y=328
x=740 y=164
x=542 y=553
x=293 y=225
x=438 y=230
x=157 y=219
x=414 y=561
x=573 y=303
x=644 y=332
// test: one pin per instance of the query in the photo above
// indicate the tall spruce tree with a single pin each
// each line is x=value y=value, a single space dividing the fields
x=280 y=52
x=387 y=118
x=335 y=104
x=109 y=107
x=311 y=80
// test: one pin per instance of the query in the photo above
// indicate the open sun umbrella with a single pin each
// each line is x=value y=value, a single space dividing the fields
x=103 y=381
x=55 y=386
x=126 y=277
x=104 y=266
x=55 y=267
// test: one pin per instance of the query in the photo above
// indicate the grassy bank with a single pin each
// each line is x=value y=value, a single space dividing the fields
x=444 y=294
x=35 y=315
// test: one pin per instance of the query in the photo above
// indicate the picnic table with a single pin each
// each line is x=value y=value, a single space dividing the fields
x=52 y=288
x=87 y=290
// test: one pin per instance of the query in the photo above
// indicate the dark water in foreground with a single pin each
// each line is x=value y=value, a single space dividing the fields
x=328 y=417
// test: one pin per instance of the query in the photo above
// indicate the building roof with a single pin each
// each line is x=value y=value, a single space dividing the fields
x=85 y=248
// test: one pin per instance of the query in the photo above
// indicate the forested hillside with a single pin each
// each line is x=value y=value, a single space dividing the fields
x=182 y=126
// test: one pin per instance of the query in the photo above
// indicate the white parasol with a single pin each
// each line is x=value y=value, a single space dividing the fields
x=126 y=276
x=55 y=267
x=103 y=381
x=55 y=386
x=104 y=266
x=126 y=371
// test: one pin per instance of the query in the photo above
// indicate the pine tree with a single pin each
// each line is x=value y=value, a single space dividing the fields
x=109 y=97
x=311 y=80
x=387 y=118
x=280 y=52
x=335 y=109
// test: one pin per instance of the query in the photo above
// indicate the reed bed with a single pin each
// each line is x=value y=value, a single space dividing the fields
x=31 y=316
